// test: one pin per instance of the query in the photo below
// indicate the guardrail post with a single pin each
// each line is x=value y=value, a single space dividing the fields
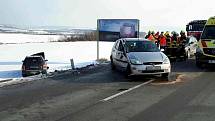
x=72 y=64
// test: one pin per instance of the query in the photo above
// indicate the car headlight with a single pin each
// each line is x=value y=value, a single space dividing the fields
x=135 y=61
x=166 y=61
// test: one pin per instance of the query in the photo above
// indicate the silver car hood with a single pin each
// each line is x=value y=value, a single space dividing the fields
x=147 y=56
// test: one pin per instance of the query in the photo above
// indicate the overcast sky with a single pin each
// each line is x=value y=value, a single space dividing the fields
x=84 y=13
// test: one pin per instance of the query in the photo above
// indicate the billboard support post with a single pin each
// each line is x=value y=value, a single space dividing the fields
x=98 y=39
x=98 y=49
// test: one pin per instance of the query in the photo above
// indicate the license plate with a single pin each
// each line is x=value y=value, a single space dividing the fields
x=34 y=67
x=153 y=68
x=211 y=61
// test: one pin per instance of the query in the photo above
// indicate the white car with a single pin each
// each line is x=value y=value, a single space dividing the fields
x=138 y=56
x=191 y=46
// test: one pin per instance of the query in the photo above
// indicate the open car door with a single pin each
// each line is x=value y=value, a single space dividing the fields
x=39 y=54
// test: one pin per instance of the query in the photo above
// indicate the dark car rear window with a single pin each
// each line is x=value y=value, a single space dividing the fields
x=33 y=61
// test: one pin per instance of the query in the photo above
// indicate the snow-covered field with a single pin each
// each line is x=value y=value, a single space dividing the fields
x=57 y=53
x=25 y=38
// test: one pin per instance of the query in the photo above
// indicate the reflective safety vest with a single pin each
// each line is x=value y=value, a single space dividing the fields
x=151 y=38
x=174 y=41
x=162 y=41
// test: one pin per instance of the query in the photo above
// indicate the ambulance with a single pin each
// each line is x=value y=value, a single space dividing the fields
x=205 y=52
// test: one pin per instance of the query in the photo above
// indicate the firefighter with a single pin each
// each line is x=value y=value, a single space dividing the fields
x=156 y=36
x=162 y=41
x=153 y=33
x=168 y=38
x=183 y=35
x=147 y=36
x=173 y=45
x=182 y=39
x=174 y=39
x=151 y=36
x=181 y=42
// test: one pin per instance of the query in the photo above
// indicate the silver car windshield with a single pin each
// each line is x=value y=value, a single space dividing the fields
x=141 y=46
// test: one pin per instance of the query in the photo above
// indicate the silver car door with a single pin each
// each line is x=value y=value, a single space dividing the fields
x=122 y=56
x=115 y=54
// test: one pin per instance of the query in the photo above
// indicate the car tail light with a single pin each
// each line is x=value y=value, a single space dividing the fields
x=44 y=66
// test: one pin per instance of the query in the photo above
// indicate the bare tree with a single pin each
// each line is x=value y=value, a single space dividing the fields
x=90 y=36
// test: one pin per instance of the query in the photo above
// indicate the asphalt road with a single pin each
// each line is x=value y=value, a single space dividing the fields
x=99 y=94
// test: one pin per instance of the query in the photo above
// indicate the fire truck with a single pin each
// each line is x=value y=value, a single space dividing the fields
x=195 y=28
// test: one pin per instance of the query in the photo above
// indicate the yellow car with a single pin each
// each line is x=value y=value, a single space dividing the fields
x=205 y=52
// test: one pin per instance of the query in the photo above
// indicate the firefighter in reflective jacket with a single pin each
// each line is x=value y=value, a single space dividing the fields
x=162 y=41
x=147 y=36
x=174 y=39
x=182 y=39
x=152 y=37
x=157 y=39
x=168 y=38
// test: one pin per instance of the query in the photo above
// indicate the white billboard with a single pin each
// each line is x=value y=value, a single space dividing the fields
x=113 y=29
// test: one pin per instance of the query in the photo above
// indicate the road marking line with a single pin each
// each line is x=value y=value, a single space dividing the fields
x=123 y=92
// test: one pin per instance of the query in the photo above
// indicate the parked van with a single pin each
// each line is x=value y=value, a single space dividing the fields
x=205 y=52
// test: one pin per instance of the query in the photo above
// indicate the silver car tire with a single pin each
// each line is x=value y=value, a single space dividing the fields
x=113 y=67
x=128 y=71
